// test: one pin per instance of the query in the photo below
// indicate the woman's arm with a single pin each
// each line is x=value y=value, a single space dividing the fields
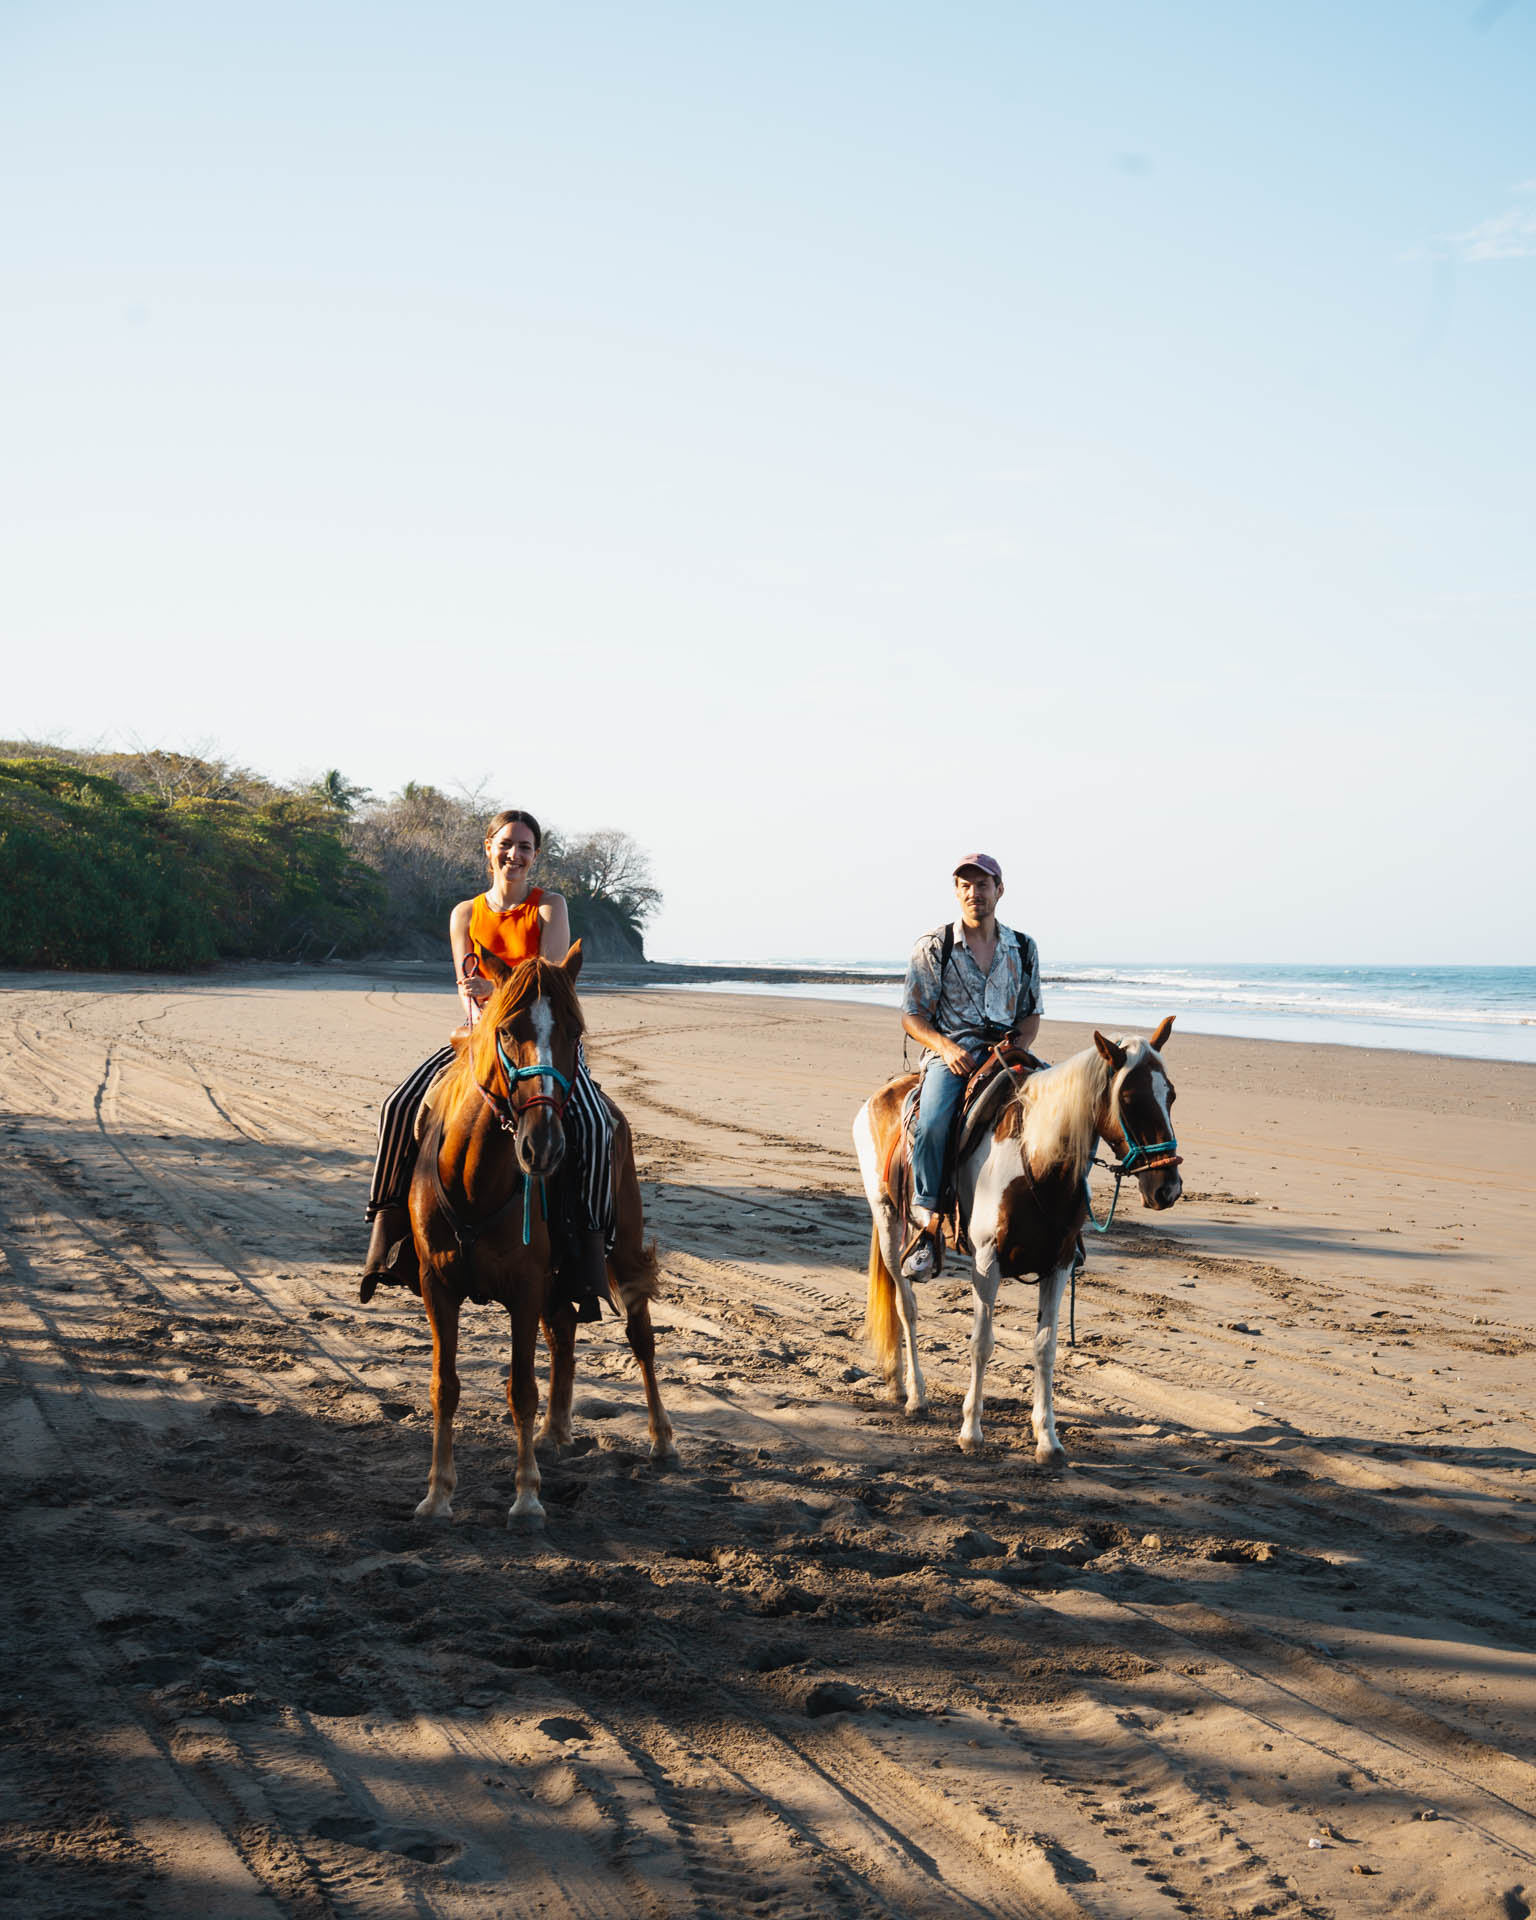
x=471 y=992
x=555 y=933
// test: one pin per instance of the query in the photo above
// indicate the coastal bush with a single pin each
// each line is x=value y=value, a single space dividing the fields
x=96 y=875
x=165 y=860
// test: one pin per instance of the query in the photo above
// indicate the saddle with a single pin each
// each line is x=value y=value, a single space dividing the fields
x=993 y=1083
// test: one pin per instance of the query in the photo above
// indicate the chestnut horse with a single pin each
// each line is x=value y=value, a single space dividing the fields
x=491 y=1135
x=1023 y=1196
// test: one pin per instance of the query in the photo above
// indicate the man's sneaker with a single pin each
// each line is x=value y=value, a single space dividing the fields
x=919 y=1258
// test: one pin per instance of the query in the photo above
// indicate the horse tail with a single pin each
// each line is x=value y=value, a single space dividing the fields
x=882 y=1327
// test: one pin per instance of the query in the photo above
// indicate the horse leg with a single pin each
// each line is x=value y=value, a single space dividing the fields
x=523 y=1399
x=641 y=1336
x=560 y=1333
x=1048 y=1449
x=443 y=1317
x=906 y=1313
x=984 y=1293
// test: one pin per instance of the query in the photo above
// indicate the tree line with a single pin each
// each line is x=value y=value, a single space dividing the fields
x=168 y=860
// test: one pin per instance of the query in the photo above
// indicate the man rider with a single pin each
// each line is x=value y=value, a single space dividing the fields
x=957 y=1003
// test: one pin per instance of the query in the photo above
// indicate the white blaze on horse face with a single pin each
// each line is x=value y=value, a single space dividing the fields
x=543 y=1018
x=1160 y=1095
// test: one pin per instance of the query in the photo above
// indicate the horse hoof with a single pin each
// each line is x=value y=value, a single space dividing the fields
x=663 y=1454
x=916 y=1409
x=529 y=1519
x=547 y=1447
x=970 y=1443
x=434 y=1508
x=1053 y=1458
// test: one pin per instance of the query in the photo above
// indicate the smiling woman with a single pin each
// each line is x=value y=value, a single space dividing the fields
x=511 y=921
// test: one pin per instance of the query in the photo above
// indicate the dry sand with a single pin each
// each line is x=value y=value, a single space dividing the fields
x=1265 y=1648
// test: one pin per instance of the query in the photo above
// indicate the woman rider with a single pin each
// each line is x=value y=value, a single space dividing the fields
x=514 y=920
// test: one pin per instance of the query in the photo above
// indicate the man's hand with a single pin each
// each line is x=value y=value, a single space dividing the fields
x=956 y=1058
x=927 y=1035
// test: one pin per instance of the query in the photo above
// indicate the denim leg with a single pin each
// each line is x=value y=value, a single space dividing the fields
x=941 y=1096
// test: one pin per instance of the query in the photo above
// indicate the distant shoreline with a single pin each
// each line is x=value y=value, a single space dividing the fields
x=661 y=973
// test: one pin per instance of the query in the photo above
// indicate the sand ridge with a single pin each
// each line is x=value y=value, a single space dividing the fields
x=1265 y=1648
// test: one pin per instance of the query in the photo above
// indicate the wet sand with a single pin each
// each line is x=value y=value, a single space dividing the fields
x=1285 y=1593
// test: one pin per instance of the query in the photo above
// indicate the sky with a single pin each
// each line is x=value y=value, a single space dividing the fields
x=820 y=440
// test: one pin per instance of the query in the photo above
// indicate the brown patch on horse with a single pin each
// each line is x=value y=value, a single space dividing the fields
x=1112 y=1051
x=1137 y=1105
x=1037 y=1226
x=885 y=1125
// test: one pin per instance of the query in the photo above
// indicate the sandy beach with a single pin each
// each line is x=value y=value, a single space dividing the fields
x=1264 y=1648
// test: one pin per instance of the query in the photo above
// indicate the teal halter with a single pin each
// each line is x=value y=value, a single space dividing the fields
x=512 y=1112
x=1139 y=1157
x=514 y=1074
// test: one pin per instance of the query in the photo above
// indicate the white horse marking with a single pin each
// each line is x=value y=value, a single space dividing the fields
x=543 y=1017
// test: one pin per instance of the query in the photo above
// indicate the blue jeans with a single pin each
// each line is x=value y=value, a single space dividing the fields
x=936 y=1109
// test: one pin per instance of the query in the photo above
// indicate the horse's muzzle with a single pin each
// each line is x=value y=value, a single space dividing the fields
x=540 y=1145
x=1163 y=1192
x=1160 y=1184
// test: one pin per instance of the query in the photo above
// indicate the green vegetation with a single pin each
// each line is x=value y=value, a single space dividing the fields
x=157 y=860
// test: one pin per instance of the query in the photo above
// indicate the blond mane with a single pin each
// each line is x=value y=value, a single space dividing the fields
x=1057 y=1109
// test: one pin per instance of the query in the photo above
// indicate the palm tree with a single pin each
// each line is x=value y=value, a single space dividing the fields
x=334 y=790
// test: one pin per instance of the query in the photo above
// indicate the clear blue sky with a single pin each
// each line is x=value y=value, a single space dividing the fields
x=822 y=440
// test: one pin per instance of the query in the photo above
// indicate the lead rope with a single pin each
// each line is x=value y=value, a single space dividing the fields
x=1135 y=1152
x=1109 y=1220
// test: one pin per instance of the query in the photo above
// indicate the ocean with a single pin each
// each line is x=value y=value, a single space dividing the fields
x=1479 y=1013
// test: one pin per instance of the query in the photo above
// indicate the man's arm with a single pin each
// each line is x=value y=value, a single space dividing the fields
x=920 y=1002
x=1024 y=1032
x=1026 y=1021
x=949 y=1051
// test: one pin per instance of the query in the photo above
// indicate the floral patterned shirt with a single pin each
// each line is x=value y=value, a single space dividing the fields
x=967 y=1005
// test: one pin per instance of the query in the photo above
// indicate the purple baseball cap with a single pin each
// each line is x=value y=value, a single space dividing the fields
x=984 y=861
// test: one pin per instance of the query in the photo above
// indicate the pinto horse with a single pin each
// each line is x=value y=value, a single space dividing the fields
x=492 y=1135
x=1023 y=1199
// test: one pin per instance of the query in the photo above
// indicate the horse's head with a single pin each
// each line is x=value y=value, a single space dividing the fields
x=1139 y=1108
x=527 y=1039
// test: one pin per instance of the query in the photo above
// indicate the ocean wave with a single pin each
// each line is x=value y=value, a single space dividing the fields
x=1453 y=999
x=1313 y=999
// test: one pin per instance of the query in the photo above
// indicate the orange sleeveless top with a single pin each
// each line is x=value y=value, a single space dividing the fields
x=511 y=936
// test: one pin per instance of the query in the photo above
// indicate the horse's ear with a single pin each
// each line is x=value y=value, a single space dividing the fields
x=1116 y=1056
x=491 y=965
x=571 y=964
x=1159 y=1039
